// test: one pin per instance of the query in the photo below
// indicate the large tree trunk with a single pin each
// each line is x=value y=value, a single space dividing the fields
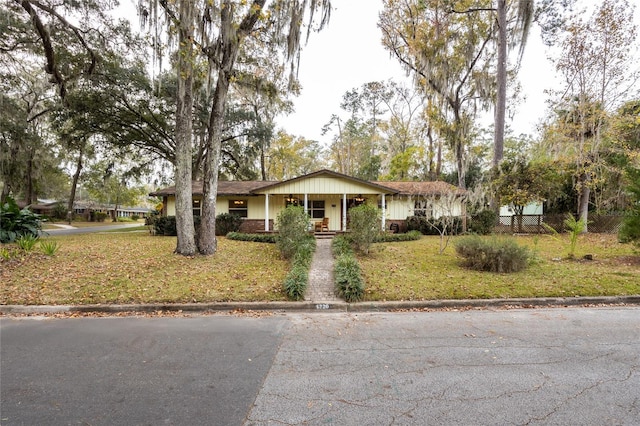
x=583 y=199
x=501 y=80
x=74 y=184
x=207 y=242
x=184 y=124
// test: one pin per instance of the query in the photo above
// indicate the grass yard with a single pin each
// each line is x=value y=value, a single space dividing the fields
x=138 y=268
x=415 y=271
x=134 y=267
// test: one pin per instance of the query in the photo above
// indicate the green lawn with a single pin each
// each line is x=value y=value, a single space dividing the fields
x=415 y=271
x=138 y=268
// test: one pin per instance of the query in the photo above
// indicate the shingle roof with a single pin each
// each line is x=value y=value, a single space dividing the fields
x=224 y=188
x=422 y=188
x=249 y=187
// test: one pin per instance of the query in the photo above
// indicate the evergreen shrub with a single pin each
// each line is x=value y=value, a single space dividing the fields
x=433 y=226
x=293 y=224
x=483 y=222
x=492 y=255
x=365 y=226
x=227 y=222
x=254 y=238
x=349 y=283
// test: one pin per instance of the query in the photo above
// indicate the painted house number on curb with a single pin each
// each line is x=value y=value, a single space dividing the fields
x=323 y=306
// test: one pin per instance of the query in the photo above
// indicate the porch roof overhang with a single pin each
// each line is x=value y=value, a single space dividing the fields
x=225 y=188
x=341 y=184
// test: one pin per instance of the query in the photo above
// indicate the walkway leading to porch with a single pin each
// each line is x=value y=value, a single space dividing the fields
x=320 y=288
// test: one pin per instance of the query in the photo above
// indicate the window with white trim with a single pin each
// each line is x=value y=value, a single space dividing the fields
x=316 y=209
x=239 y=207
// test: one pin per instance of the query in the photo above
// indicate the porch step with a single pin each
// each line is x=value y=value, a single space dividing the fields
x=324 y=235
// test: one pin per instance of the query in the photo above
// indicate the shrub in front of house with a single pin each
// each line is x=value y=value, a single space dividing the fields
x=297 y=280
x=349 y=283
x=492 y=254
x=348 y=280
x=254 y=238
x=135 y=217
x=98 y=216
x=59 y=211
x=483 y=222
x=394 y=238
x=227 y=222
x=293 y=225
x=165 y=225
x=341 y=244
x=364 y=223
x=434 y=226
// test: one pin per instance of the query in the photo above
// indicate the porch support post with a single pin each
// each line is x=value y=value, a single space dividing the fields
x=344 y=211
x=384 y=212
x=306 y=209
x=266 y=212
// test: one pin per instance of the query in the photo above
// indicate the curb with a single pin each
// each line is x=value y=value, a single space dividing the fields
x=331 y=306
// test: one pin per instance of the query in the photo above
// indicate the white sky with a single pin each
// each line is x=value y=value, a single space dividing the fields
x=348 y=53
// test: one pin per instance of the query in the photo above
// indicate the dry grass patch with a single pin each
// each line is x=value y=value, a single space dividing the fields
x=415 y=271
x=139 y=268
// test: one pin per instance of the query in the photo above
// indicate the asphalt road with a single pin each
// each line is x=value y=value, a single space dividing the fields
x=90 y=229
x=577 y=366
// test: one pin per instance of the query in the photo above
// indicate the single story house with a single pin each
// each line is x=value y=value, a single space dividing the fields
x=325 y=194
x=532 y=209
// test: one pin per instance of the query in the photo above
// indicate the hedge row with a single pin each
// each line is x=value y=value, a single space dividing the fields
x=254 y=238
x=349 y=283
x=393 y=238
x=297 y=280
x=225 y=223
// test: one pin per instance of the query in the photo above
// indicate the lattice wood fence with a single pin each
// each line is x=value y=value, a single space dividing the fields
x=535 y=224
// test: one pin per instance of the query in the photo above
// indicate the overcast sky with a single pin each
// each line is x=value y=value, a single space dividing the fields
x=348 y=53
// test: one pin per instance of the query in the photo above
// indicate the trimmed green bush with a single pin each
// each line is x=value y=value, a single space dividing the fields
x=254 y=238
x=165 y=225
x=16 y=222
x=296 y=282
x=135 y=217
x=293 y=224
x=227 y=222
x=483 y=222
x=492 y=255
x=341 y=244
x=99 y=216
x=349 y=283
x=364 y=222
x=393 y=238
x=433 y=226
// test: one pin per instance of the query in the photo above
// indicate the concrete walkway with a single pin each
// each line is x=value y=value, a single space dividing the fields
x=321 y=284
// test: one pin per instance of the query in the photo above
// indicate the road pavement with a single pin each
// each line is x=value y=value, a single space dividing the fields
x=483 y=367
x=89 y=229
